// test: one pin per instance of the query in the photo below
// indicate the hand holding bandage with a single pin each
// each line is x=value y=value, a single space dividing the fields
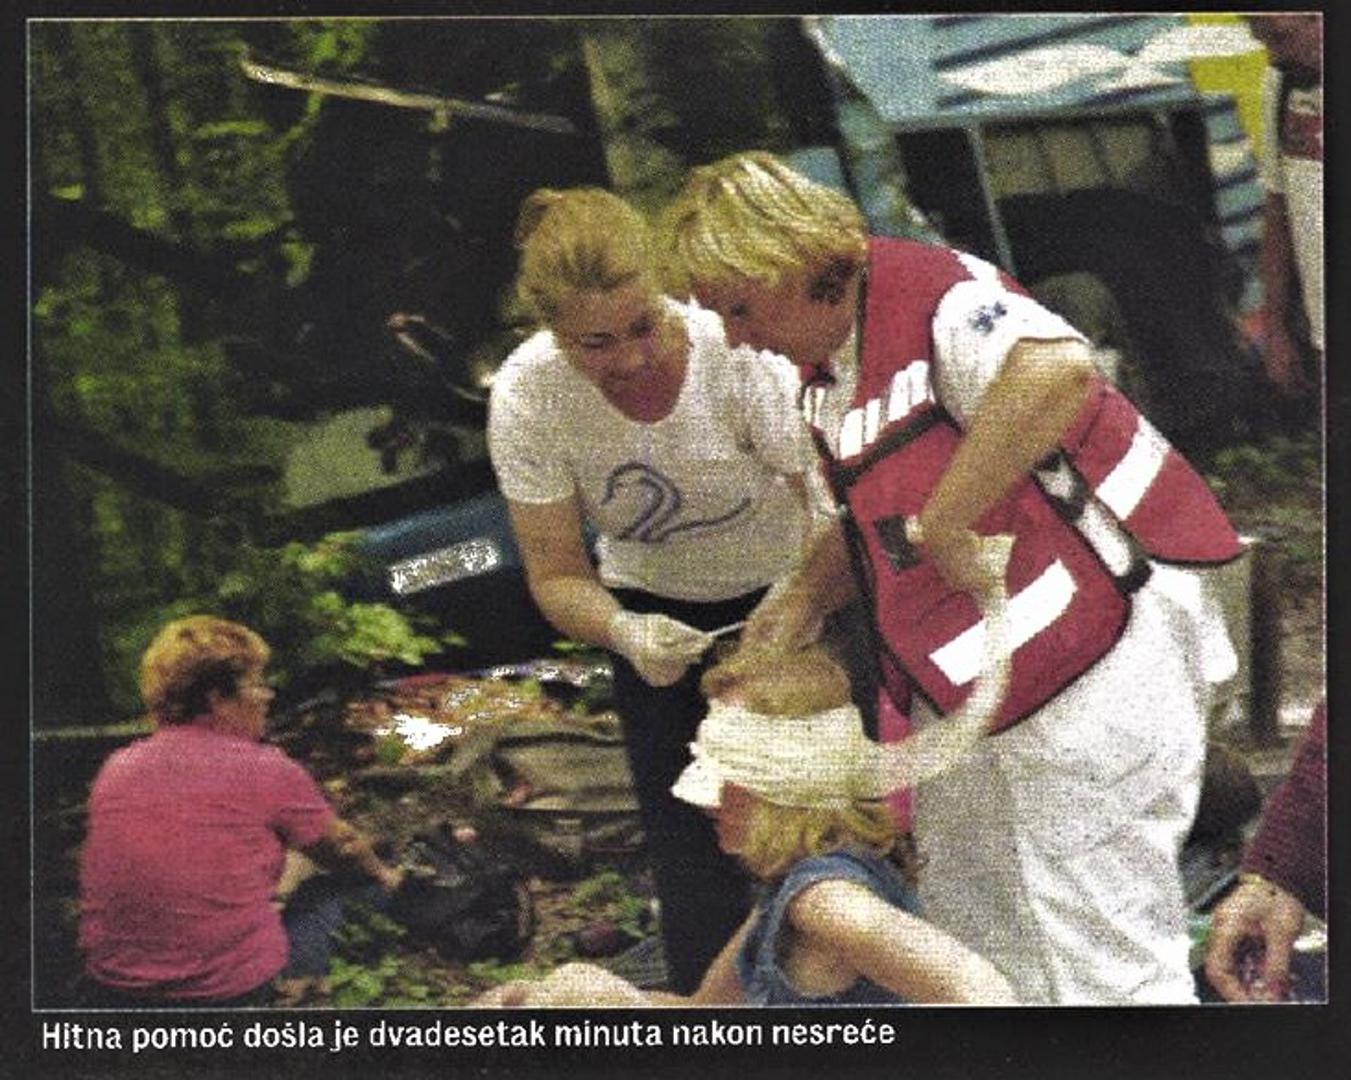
x=962 y=557
x=786 y=618
x=659 y=648
x=780 y=725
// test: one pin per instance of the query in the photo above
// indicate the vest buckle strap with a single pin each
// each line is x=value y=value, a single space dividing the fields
x=1133 y=580
x=891 y=533
x=1064 y=487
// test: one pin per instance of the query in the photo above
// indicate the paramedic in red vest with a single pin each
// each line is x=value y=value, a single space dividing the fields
x=946 y=403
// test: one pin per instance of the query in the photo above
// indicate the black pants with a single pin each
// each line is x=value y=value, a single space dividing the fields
x=704 y=894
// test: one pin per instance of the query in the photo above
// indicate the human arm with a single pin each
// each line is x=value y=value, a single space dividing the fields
x=1280 y=352
x=721 y=985
x=565 y=586
x=342 y=847
x=1284 y=878
x=588 y=985
x=531 y=449
x=558 y=573
x=1024 y=411
x=1290 y=845
x=893 y=948
x=797 y=484
x=791 y=614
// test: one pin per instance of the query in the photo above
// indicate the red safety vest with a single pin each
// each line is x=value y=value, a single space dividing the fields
x=1068 y=609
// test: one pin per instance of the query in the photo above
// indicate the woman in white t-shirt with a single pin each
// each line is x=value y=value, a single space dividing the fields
x=630 y=413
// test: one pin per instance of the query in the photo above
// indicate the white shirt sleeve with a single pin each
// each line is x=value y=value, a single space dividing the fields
x=1269 y=164
x=974 y=327
x=529 y=467
x=769 y=399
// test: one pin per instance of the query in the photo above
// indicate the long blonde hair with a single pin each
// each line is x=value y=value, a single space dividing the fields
x=577 y=239
x=750 y=216
x=779 y=836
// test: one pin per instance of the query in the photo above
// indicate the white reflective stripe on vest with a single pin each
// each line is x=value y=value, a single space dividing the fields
x=1031 y=610
x=1123 y=488
x=851 y=434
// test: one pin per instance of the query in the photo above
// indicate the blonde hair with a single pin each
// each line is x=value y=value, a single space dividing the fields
x=778 y=683
x=189 y=658
x=749 y=216
x=783 y=684
x=779 y=836
x=581 y=238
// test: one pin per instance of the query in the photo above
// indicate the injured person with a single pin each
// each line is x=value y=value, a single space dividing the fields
x=783 y=766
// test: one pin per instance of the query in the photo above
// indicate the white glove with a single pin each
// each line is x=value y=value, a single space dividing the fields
x=659 y=648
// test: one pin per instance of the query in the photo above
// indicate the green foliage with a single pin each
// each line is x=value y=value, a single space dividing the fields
x=390 y=748
x=327 y=47
x=289 y=596
x=299 y=256
x=598 y=694
x=367 y=934
x=334 y=46
x=1275 y=488
x=530 y=688
x=1256 y=473
x=367 y=967
x=606 y=895
x=355 y=985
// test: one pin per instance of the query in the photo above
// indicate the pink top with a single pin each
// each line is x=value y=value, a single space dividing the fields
x=188 y=831
x=1291 y=844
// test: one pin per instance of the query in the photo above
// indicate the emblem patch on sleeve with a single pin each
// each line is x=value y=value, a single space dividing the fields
x=985 y=317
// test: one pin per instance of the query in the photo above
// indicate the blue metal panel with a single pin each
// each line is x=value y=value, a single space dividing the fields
x=821 y=164
x=900 y=62
x=482 y=516
x=1239 y=195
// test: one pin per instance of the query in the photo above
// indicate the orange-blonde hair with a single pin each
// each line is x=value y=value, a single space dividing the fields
x=192 y=656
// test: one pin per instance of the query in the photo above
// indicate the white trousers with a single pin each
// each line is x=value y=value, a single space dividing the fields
x=1053 y=848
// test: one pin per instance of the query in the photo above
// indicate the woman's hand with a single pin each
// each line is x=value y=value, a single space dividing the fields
x=786 y=619
x=961 y=557
x=660 y=648
x=1259 y=920
x=793 y=611
x=391 y=877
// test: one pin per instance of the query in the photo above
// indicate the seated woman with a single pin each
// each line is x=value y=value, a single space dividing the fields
x=782 y=765
x=189 y=830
